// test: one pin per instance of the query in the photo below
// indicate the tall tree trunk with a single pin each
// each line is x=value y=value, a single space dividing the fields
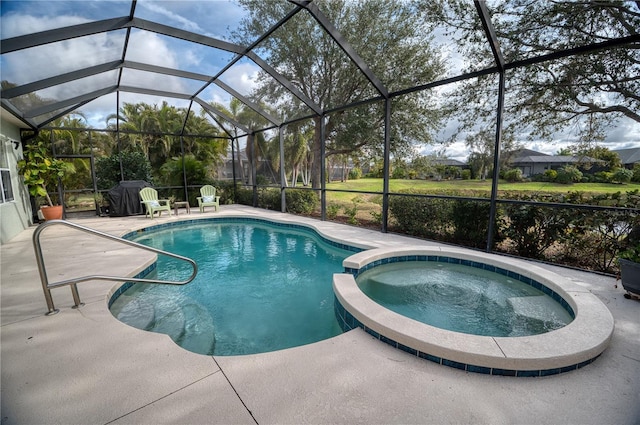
x=316 y=150
x=240 y=165
x=250 y=151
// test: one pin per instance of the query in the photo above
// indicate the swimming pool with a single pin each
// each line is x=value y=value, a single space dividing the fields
x=569 y=348
x=260 y=287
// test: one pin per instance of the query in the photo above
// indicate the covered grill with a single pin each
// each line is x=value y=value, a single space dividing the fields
x=124 y=199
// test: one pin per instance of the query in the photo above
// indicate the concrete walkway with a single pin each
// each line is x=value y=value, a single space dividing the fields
x=82 y=366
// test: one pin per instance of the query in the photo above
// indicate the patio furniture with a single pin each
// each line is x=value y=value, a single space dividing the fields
x=181 y=204
x=208 y=198
x=152 y=204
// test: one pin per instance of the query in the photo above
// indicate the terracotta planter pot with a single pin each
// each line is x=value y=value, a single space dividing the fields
x=52 y=213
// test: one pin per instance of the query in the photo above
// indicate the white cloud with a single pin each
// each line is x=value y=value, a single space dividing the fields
x=52 y=59
x=148 y=47
x=180 y=20
x=242 y=77
x=16 y=24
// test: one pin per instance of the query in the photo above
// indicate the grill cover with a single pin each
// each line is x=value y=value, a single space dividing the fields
x=124 y=199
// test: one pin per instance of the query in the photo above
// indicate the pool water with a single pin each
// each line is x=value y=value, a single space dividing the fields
x=463 y=299
x=259 y=288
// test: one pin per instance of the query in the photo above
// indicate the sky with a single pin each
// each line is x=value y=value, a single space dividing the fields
x=212 y=18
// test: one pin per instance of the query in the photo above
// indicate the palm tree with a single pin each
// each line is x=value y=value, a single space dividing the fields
x=210 y=150
x=297 y=152
x=235 y=111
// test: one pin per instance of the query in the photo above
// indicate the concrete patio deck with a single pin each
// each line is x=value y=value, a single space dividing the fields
x=83 y=366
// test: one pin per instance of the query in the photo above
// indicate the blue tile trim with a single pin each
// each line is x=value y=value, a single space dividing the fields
x=528 y=373
x=479 y=369
x=503 y=372
x=235 y=220
x=128 y=285
x=442 y=259
x=348 y=322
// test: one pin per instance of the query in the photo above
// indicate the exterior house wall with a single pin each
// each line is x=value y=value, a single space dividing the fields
x=534 y=168
x=15 y=215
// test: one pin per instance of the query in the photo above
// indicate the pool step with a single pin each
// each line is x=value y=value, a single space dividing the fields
x=536 y=307
x=134 y=312
x=199 y=335
x=172 y=324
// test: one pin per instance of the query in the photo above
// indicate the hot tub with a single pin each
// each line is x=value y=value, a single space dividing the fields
x=568 y=348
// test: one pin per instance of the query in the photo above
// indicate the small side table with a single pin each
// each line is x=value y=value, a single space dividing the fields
x=182 y=204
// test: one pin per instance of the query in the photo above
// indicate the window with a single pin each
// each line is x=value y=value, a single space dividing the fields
x=5 y=173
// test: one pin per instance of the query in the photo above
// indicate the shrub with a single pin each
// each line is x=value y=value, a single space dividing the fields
x=603 y=177
x=244 y=196
x=376 y=216
x=466 y=174
x=636 y=173
x=269 y=198
x=399 y=173
x=224 y=190
x=513 y=175
x=569 y=175
x=470 y=220
x=533 y=228
x=550 y=175
x=622 y=175
x=352 y=211
x=420 y=216
x=301 y=201
x=332 y=210
x=355 y=173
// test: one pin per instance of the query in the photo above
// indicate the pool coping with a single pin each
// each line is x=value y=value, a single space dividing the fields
x=561 y=350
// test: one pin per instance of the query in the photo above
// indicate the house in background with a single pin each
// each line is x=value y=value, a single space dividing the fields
x=532 y=163
x=448 y=162
x=629 y=157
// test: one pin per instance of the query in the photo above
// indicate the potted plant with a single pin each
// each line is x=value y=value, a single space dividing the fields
x=40 y=169
x=629 y=261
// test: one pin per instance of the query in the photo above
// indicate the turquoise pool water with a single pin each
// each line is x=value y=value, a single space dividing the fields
x=464 y=299
x=259 y=288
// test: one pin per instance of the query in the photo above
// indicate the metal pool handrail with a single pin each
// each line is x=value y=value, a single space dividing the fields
x=46 y=286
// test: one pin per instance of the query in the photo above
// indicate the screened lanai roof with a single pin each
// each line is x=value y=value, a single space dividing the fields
x=63 y=56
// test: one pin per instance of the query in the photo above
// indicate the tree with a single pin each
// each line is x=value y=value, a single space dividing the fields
x=135 y=165
x=584 y=92
x=235 y=111
x=422 y=166
x=611 y=159
x=481 y=145
x=390 y=37
x=297 y=152
x=206 y=147
x=194 y=171
x=155 y=131
x=256 y=148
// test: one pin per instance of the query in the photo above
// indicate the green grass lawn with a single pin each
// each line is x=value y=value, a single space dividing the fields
x=375 y=185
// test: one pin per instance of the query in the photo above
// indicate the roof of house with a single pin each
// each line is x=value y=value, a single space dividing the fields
x=448 y=162
x=553 y=159
x=628 y=156
x=521 y=153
